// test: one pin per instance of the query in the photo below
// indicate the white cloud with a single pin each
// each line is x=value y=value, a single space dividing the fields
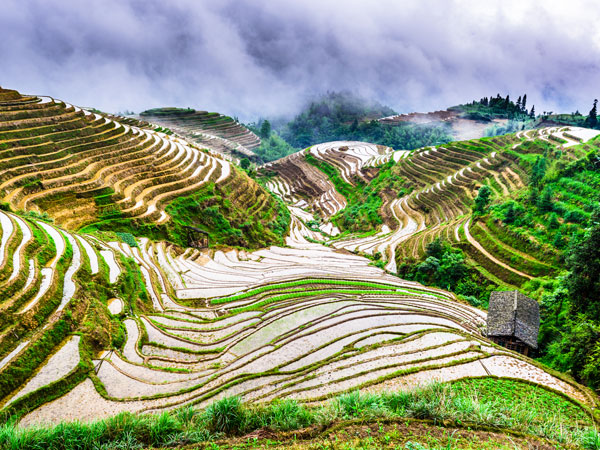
x=257 y=59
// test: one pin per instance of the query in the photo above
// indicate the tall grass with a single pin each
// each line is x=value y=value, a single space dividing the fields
x=229 y=416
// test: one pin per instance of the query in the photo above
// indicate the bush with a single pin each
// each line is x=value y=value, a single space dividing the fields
x=127 y=238
x=575 y=216
x=226 y=415
x=590 y=440
x=288 y=415
x=355 y=404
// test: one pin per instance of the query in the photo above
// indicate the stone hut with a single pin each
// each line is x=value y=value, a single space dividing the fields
x=513 y=321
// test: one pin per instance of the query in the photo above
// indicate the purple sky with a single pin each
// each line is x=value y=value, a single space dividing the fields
x=263 y=58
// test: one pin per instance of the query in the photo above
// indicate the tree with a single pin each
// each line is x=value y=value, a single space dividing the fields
x=532 y=113
x=553 y=223
x=482 y=199
x=510 y=214
x=592 y=118
x=538 y=172
x=265 y=129
x=435 y=248
x=428 y=268
x=244 y=163
x=452 y=269
x=524 y=103
x=559 y=240
x=583 y=263
x=546 y=200
x=533 y=195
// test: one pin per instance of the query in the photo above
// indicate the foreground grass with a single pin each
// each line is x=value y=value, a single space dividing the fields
x=484 y=404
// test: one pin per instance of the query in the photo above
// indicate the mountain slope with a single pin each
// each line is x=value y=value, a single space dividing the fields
x=443 y=182
x=212 y=130
x=97 y=323
x=82 y=168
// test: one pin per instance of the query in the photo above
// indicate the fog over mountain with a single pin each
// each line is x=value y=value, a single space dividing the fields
x=253 y=59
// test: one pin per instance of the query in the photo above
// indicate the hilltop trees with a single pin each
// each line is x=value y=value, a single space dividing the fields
x=490 y=108
x=592 y=118
x=344 y=116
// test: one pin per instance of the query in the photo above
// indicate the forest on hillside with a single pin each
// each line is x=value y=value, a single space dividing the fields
x=339 y=116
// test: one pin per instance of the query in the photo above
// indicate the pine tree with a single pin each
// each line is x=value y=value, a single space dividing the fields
x=510 y=214
x=519 y=103
x=532 y=113
x=265 y=129
x=533 y=195
x=592 y=119
x=559 y=240
x=538 y=171
x=482 y=199
x=524 y=102
x=546 y=200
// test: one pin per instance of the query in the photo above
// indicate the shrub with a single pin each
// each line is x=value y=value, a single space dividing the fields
x=590 y=440
x=127 y=238
x=288 y=415
x=355 y=404
x=225 y=416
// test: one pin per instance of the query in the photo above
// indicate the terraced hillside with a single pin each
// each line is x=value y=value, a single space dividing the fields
x=95 y=322
x=443 y=182
x=300 y=322
x=211 y=130
x=303 y=186
x=82 y=168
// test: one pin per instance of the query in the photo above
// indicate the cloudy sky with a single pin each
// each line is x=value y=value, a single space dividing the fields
x=264 y=58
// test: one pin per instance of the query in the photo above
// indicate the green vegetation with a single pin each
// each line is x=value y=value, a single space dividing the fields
x=445 y=266
x=272 y=146
x=496 y=107
x=217 y=210
x=344 y=116
x=504 y=405
x=299 y=283
x=548 y=229
x=222 y=210
x=364 y=199
x=482 y=200
x=361 y=212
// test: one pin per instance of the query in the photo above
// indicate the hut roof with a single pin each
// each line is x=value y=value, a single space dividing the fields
x=513 y=314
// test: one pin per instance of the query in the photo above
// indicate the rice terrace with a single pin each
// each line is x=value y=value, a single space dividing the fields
x=307 y=268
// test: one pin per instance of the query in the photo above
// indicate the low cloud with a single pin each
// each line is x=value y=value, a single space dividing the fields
x=252 y=59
